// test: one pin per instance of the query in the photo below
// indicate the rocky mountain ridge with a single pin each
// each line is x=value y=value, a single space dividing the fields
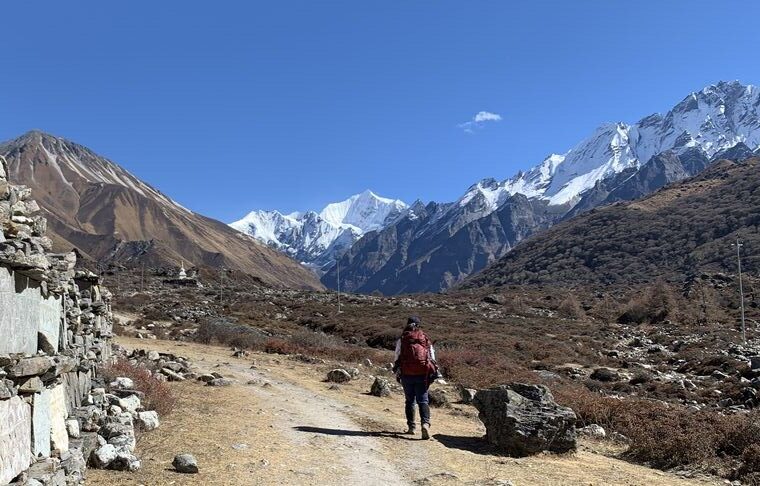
x=617 y=162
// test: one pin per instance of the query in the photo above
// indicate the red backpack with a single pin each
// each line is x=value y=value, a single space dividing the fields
x=415 y=354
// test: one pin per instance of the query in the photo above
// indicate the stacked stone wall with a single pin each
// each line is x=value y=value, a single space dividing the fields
x=55 y=329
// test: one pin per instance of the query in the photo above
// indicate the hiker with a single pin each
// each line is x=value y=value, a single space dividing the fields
x=415 y=369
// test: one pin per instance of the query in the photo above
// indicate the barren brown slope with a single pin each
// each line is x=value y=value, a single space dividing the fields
x=109 y=215
x=682 y=230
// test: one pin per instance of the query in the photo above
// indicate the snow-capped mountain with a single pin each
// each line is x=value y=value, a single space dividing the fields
x=317 y=239
x=436 y=248
x=713 y=119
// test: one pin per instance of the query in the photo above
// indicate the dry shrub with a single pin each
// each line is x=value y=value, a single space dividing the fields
x=475 y=369
x=667 y=436
x=221 y=331
x=158 y=395
x=571 y=308
x=656 y=305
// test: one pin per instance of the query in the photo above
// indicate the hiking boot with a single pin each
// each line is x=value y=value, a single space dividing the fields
x=411 y=430
x=425 y=431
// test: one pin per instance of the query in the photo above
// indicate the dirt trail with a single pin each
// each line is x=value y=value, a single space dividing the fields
x=280 y=424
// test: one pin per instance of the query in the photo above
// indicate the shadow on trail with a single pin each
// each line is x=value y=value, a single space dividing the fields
x=353 y=433
x=471 y=444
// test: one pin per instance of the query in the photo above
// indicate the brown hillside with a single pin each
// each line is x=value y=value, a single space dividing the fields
x=110 y=216
x=683 y=229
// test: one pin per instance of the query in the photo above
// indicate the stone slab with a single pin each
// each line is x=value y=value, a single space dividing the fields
x=25 y=312
x=15 y=438
x=41 y=424
x=59 y=436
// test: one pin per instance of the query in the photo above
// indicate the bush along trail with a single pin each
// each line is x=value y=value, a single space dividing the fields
x=255 y=418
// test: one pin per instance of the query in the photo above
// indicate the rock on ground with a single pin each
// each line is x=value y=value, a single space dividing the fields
x=220 y=382
x=380 y=388
x=438 y=398
x=185 y=463
x=148 y=420
x=594 y=431
x=524 y=419
x=338 y=376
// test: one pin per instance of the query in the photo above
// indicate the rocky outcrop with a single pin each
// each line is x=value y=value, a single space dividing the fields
x=55 y=329
x=523 y=420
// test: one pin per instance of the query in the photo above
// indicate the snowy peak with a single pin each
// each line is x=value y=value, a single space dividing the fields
x=712 y=120
x=317 y=239
x=366 y=211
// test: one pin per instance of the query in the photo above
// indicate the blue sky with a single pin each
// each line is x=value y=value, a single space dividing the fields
x=231 y=106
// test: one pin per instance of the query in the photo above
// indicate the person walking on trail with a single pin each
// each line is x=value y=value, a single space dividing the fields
x=415 y=368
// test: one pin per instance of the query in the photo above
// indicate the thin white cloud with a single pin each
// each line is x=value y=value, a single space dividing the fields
x=479 y=120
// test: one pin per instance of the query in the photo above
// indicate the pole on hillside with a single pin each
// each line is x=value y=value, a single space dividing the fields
x=221 y=286
x=338 y=286
x=142 y=278
x=739 y=245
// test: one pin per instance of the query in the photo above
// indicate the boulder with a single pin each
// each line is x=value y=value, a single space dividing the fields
x=524 y=419
x=380 y=388
x=185 y=463
x=130 y=403
x=103 y=456
x=338 y=376
x=605 y=374
x=148 y=420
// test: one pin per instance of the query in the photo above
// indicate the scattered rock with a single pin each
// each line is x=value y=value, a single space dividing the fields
x=103 y=456
x=185 y=463
x=605 y=374
x=439 y=398
x=220 y=382
x=125 y=461
x=495 y=299
x=122 y=383
x=338 y=376
x=148 y=420
x=524 y=419
x=593 y=431
x=380 y=388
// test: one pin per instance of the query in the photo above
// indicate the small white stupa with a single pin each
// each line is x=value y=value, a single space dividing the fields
x=182 y=273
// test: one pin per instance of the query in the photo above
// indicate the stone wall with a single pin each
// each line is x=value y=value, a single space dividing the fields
x=55 y=329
